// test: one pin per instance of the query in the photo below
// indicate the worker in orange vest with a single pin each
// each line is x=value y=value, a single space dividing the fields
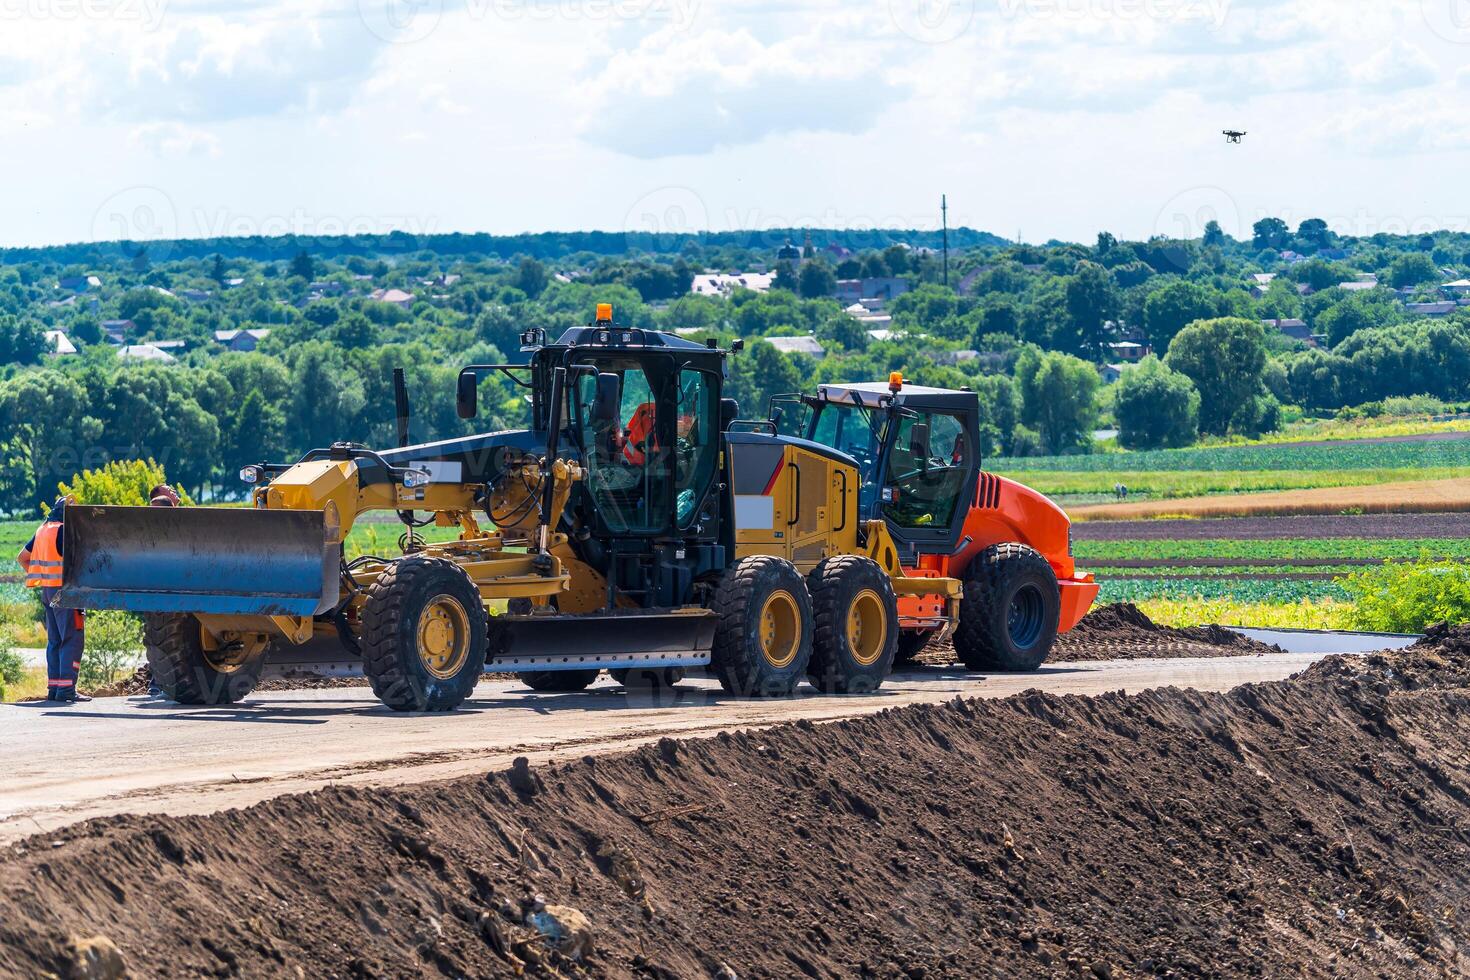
x=65 y=628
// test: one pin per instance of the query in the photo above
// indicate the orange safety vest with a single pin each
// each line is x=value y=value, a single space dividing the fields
x=44 y=569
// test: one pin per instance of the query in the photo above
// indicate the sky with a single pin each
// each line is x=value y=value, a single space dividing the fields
x=1039 y=119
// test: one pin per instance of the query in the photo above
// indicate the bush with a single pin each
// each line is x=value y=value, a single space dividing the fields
x=1409 y=598
x=12 y=667
x=114 y=640
x=120 y=483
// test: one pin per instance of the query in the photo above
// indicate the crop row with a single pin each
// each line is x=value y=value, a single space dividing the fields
x=1076 y=487
x=1265 y=550
x=1318 y=456
x=1237 y=589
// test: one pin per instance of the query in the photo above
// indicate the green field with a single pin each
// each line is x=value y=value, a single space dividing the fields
x=1418 y=457
x=1074 y=487
x=1101 y=551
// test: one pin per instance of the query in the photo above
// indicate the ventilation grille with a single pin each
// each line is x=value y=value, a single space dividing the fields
x=988 y=495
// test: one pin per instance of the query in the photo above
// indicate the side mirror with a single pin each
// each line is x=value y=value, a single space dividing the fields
x=467 y=395
x=729 y=412
x=777 y=414
x=919 y=441
x=606 y=399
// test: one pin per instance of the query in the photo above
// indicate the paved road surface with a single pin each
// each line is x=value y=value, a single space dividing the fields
x=114 y=755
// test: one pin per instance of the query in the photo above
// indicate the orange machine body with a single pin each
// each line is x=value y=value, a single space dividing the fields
x=1005 y=511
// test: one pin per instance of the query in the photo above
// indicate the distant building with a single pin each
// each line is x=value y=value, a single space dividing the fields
x=1129 y=351
x=117 y=331
x=1110 y=373
x=1358 y=285
x=393 y=297
x=146 y=352
x=797 y=345
x=240 y=340
x=1460 y=287
x=880 y=287
x=59 y=343
x=789 y=253
x=79 y=284
x=1293 y=329
x=1444 y=308
x=723 y=284
x=195 y=295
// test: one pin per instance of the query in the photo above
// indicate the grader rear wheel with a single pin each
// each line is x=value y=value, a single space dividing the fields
x=856 y=625
x=763 y=639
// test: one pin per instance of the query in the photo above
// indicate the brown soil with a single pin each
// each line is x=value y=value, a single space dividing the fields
x=1456 y=525
x=1310 y=828
x=1410 y=496
x=138 y=681
x=1122 y=632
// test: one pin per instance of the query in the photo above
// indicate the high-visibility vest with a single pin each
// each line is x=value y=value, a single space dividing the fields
x=44 y=570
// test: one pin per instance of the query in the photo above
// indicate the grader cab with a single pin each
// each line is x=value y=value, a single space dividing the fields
x=636 y=525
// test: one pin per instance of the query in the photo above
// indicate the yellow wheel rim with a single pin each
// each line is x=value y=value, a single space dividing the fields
x=867 y=627
x=780 y=629
x=444 y=636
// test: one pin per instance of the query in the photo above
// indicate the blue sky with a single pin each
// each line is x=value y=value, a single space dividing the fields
x=1044 y=118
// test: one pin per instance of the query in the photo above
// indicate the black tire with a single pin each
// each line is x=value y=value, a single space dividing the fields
x=911 y=643
x=393 y=627
x=855 y=612
x=1009 y=612
x=558 y=681
x=185 y=672
x=763 y=636
x=647 y=678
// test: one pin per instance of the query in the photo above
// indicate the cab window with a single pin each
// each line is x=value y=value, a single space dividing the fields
x=927 y=467
x=628 y=472
x=696 y=450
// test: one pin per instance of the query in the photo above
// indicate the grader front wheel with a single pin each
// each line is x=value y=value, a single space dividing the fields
x=856 y=625
x=424 y=635
x=190 y=674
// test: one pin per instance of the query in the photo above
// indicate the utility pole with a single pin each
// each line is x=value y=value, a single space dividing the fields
x=944 y=221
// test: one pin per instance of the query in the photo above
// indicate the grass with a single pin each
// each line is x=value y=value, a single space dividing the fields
x=1336 y=430
x=1244 y=590
x=32 y=685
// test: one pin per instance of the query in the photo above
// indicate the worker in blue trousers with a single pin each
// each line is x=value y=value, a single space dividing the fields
x=65 y=628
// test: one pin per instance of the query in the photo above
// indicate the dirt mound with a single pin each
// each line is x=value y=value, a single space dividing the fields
x=1314 y=828
x=1122 y=631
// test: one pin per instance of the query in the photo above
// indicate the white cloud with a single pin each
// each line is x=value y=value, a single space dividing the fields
x=678 y=93
x=1395 y=68
x=175 y=139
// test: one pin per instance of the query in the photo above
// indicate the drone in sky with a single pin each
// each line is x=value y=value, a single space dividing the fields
x=1233 y=135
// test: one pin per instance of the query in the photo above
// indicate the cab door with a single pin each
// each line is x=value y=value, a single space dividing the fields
x=928 y=471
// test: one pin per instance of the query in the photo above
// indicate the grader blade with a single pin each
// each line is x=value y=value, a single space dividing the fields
x=628 y=638
x=223 y=561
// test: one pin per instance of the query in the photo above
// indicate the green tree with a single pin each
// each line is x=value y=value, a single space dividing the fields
x=1413 y=269
x=1270 y=233
x=1172 y=306
x=256 y=433
x=1058 y=399
x=302 y=266
x=1224 y=358
x=17 y=476
x=1092 y=300
x=1358 y=311
x=530 y=277
x=785 y=277
x=22 y=341
x=756 y=374
x=817 y=279
x=1156 y=407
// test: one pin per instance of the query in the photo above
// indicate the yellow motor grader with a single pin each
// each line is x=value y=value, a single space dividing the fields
x=636 y=526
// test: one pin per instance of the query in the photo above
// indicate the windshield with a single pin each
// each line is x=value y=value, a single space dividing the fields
x=850 y=429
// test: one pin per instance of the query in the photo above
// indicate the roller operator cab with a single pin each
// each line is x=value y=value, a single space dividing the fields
x=917 y=454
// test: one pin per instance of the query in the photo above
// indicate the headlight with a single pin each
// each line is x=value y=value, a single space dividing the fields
x=250 y=474
x=413 y=479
